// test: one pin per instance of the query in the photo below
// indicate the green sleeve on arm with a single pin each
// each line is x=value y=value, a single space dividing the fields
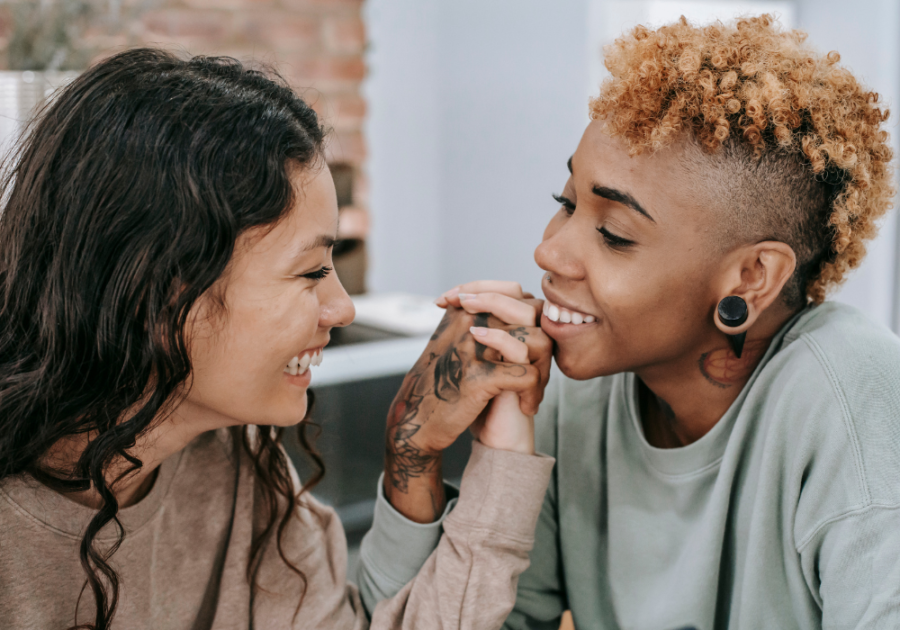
x=395 y=548
x=856 y=561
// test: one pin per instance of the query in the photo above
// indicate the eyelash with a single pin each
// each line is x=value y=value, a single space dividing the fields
x=565 y=203
x=609 y=237
x=613 y=240
x=318 y=275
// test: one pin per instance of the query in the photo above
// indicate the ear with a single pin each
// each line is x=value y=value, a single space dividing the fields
x=757 y=273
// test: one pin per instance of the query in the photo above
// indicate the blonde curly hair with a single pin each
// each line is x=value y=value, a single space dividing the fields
x=753 y=92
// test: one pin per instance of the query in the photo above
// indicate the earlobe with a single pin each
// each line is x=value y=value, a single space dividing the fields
x=731 y=314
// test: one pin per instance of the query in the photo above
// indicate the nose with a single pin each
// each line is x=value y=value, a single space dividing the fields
x=335 y=306
x=558 y=252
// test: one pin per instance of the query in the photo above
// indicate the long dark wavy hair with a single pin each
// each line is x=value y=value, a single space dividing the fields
x=121 y=209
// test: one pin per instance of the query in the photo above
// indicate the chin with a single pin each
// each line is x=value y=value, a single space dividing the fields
x=578 y=365
x=286 y=415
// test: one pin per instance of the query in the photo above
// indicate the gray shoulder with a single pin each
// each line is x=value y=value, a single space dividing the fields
x=859 y=359
x=842 y=373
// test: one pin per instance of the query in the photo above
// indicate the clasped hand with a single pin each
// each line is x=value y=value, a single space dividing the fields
x=485 y=368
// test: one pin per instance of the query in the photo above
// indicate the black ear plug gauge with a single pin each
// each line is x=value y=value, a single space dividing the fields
x=733 y=312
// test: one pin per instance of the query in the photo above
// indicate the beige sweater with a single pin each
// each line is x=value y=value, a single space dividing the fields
x=183 y=563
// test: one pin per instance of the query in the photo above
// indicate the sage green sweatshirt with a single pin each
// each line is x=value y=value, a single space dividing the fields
x=785 y=515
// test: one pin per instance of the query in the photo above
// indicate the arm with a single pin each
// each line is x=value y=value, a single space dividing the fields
x=451 y=386
x=395 y=548
x=857 y=561
x=470 y=579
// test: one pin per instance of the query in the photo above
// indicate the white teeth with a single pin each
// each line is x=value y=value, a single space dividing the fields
x=558 y=314
x=292 y=366
x=553 y=313
x=299 y=364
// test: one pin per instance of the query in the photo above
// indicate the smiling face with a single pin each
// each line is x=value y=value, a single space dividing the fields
x=280 y=303
x=632 y=254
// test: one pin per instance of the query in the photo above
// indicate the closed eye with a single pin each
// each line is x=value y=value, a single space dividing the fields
x=317 y=275
x=614 y=241
x=566 y=203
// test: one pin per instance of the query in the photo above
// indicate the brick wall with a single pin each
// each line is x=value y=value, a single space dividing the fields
x=317 y=45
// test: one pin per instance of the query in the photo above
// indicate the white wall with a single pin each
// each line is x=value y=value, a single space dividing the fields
x=476 y=105
x=501 y=82
x=405 y=154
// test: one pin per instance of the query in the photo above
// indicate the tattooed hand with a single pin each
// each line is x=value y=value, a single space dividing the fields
x=450 y=387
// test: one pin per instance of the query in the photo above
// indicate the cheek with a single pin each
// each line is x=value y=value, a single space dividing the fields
x=238 y=367
x=650 y=313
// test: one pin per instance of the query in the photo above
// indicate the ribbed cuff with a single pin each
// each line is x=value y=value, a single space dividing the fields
x=397 y=547
x=503 y=491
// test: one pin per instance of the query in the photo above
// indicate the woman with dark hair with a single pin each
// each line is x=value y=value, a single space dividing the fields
x=165 y=286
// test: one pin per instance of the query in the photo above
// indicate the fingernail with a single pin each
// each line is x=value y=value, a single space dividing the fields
x=466 y=296
x=478 y=331
x=441 y=301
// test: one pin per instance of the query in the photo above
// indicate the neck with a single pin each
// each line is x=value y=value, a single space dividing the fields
x=165 y=438
x=683 y=400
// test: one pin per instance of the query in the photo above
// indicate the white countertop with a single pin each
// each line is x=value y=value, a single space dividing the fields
x=362 y=361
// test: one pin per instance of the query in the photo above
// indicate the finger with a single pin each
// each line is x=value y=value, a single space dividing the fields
x=540 y=355
x=510 y=348
x=525 y=380
x=507 y=309
x=540 y=349
x=496 y=377
x=508 y=288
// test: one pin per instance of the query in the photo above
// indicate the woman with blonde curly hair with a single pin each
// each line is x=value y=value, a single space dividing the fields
x=727 y=441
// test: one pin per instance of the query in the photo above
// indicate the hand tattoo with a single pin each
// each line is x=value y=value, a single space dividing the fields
x=519 y=333
x=447 y=376
x=405 y=459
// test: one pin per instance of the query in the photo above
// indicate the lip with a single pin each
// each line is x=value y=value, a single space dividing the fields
x=312 y=350
x=554 y=297
x=304 y=380
x=301 y=380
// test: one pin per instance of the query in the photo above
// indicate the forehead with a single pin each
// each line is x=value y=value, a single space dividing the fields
x=661 y=181
x=311 y=221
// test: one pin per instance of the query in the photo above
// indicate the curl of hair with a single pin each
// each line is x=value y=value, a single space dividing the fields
x=122 y=208
x=758 y=84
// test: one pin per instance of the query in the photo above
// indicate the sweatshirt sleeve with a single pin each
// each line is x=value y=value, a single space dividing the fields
x=857 y=562
x=395 y=548
x=470 y=580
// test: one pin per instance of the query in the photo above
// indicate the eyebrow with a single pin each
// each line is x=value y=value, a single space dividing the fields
x=615 y=195
x=322 y=240
x=621 y=197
